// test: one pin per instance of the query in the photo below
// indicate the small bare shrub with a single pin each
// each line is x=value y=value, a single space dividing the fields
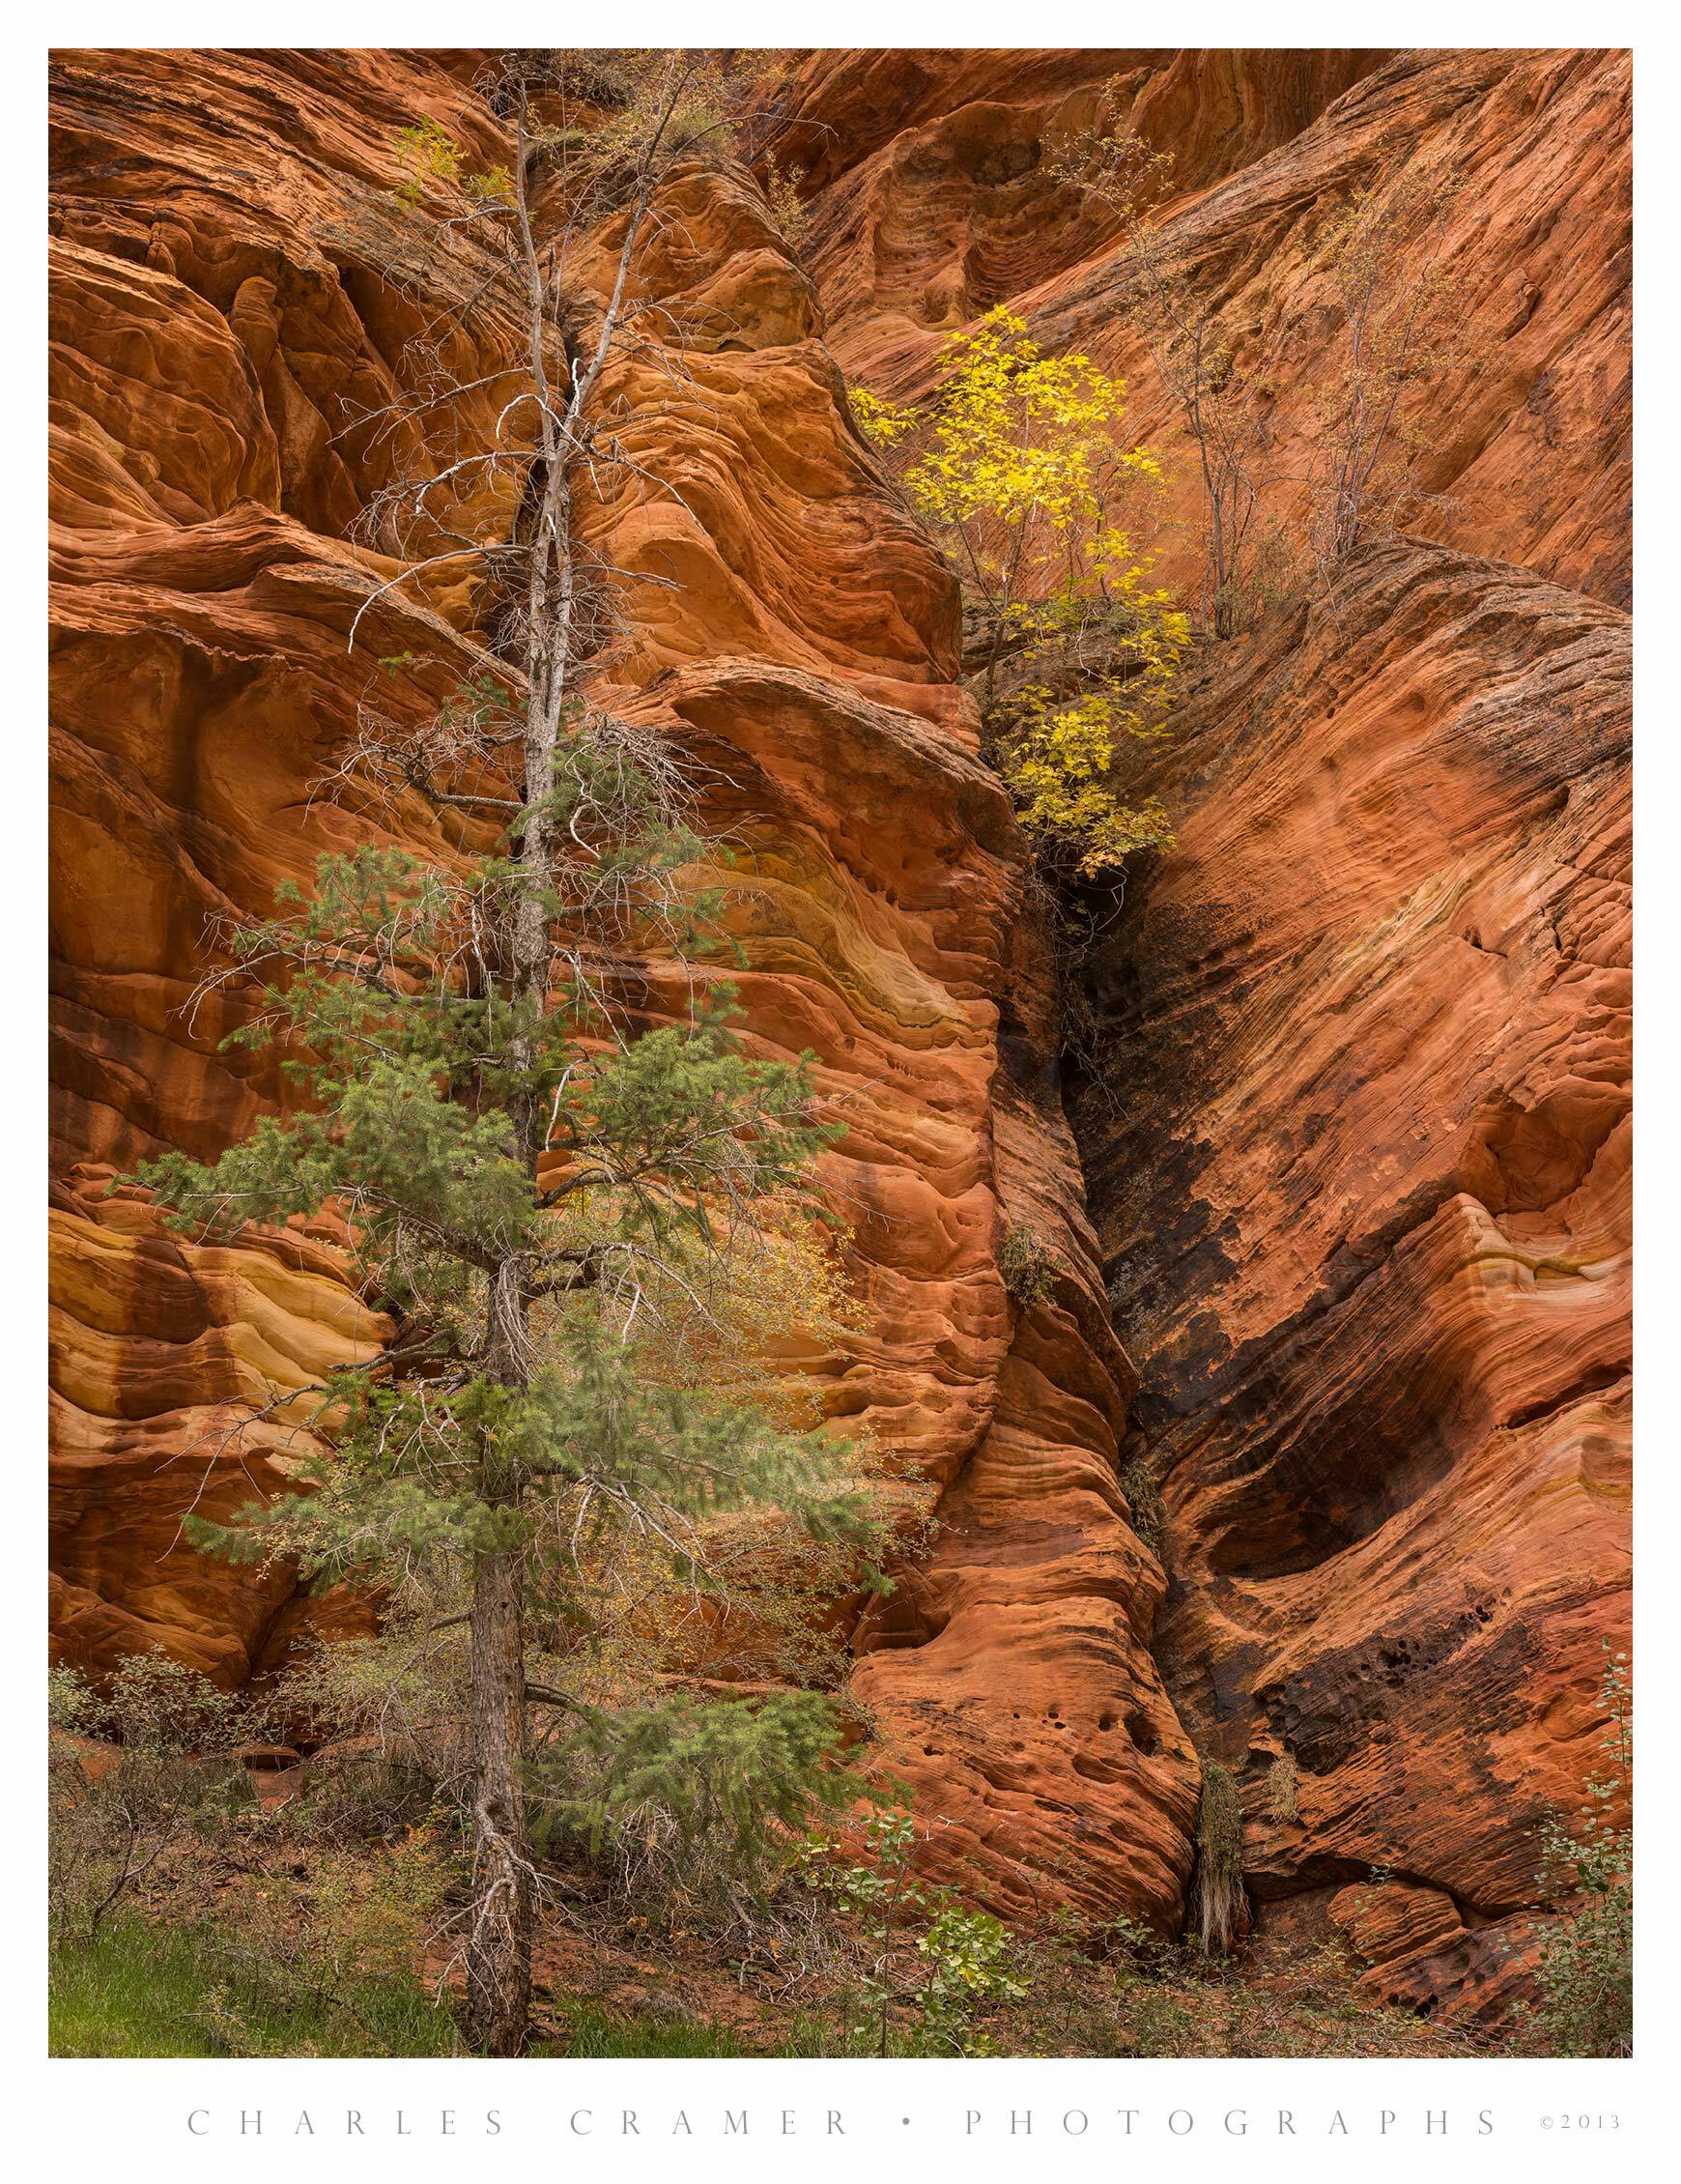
x=1219 y=1902
x=782 y=188
x=113 y=1815
x=1143 y=1492
x=1028 y=1265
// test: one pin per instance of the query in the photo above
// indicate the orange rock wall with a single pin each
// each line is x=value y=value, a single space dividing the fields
x=1355 y=1130
x=957 y=211
x=210 y=210
x=1363 y=1181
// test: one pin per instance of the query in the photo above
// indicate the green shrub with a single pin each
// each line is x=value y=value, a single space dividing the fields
x=972 y=1964
x=1586 y=1969
x=933 y=1967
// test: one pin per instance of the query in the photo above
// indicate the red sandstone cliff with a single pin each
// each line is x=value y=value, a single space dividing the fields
x=1363 y=1187
x=1359 y=1179
x=211 y=306
x=1358 y=1158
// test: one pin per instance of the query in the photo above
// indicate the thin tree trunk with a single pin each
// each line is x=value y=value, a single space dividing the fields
x=499 y=1956
x=498 y=1952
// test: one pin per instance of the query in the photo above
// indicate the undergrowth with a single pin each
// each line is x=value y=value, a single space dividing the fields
x=1218 y=1889
x=1028 y=1264
x=146 y=1991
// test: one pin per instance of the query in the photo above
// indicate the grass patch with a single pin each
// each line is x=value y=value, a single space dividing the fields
x=1282 y=1795
x=586 y=2028
x=148 y=1990
x=154 y=1991
x=1219 y=1877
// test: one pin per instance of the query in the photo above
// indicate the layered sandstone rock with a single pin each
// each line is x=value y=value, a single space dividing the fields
x=1356 y=1126
x=218 y=219
x=1525 y=441
x=157 y=1347
x=1357 y=1157
x=1362 y=1174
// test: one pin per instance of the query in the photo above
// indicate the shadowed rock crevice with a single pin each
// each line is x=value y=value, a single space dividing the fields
x=1364 y=1198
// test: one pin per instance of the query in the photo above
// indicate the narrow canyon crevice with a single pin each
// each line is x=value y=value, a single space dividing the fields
x=1363 y=1197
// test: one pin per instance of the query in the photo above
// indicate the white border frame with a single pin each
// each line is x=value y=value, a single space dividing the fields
x=136 y=2121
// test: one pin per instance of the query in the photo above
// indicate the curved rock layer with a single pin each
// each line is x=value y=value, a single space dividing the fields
x=1524 y=446
x=1356 y=1128
x=1361 y=1164
x=1357 y=1152
x=219 y=320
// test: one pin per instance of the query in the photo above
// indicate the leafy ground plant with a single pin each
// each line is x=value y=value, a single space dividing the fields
x=935 y=1968
x=1586 y=1969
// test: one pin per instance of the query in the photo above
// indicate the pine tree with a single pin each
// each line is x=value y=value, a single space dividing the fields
x=544 y=1189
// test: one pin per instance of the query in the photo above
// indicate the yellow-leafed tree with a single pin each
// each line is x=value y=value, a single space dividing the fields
x=1022 y=470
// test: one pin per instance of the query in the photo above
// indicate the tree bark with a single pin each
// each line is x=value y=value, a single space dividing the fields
x=499 y=1951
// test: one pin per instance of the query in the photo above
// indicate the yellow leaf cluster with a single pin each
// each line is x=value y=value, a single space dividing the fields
x=882 y=423
x=1059 y=759
x=1019 y=434
x=432 y=157
x=1059 y=770
x=1022 y=468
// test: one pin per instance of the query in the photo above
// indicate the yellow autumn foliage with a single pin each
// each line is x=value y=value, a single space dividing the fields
x=1022 y=471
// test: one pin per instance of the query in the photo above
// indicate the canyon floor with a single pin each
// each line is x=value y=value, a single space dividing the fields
x=178 y=1983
